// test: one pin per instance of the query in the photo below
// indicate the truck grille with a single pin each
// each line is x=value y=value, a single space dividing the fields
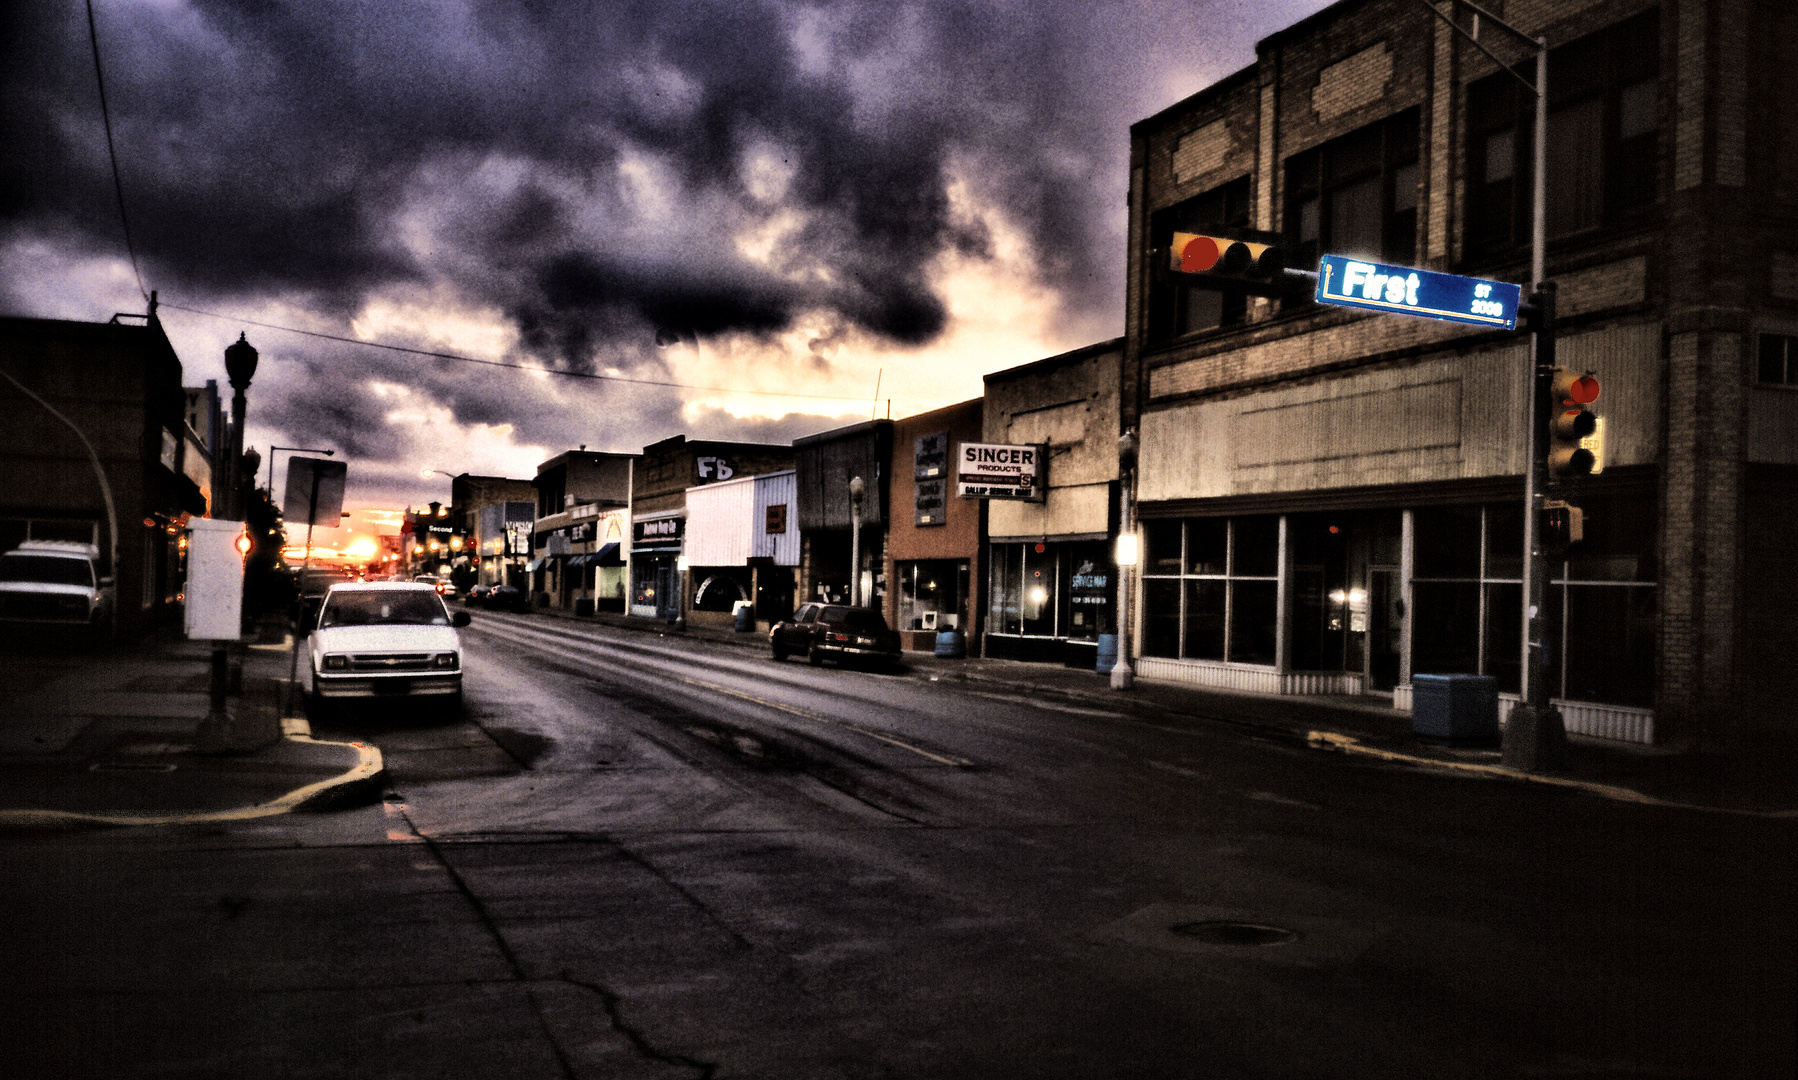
x=38 y=606
x=375 y=663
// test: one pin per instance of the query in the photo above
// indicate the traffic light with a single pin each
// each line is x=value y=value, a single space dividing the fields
x=1227 y=264
x=1563 y=524
x=1572 y=428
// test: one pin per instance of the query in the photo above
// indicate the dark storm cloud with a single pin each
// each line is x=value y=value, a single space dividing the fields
x=585 y=169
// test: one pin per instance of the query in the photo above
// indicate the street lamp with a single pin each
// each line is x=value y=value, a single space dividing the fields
x=240 y=368
x=1123 y=677
x=856 y=490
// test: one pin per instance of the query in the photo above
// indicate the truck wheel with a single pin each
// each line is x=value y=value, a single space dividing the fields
x=779 y=651
x=815 y=655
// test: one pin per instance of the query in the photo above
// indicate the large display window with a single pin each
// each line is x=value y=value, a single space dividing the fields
x=1211 y=589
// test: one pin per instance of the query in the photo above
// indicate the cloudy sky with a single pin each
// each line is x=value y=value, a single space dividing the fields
x=724 y=218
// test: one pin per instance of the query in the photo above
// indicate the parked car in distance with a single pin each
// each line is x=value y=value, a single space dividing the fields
x=385 y=640
x=477 y=594
x=508 y=598
x=846 y=633
x=54 y=586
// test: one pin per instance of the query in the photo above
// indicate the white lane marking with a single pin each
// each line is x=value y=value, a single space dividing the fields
x=549 y=645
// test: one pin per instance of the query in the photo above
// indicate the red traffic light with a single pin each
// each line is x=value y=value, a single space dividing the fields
x=1193 y=253
x=1575 y=389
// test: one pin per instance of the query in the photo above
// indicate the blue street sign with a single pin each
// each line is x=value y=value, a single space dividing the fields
x=1401 y=290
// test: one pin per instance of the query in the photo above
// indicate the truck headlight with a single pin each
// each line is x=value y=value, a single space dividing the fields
x=337 y=662
x=445 y=660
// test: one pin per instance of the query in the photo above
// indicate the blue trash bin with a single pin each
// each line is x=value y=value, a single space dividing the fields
x=951 y=644
x=1455 y=708
x=1108 y=653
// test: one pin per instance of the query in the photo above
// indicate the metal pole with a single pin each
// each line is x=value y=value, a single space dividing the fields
x=293 y=661
x=1123 y=677
x=855 y=541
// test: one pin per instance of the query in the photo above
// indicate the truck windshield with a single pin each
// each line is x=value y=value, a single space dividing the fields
x=47 y=569
x=384 y=607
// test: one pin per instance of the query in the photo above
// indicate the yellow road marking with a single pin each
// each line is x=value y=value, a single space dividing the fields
x=1348 y=744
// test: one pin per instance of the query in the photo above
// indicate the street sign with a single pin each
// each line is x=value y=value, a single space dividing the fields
x=1402 y=290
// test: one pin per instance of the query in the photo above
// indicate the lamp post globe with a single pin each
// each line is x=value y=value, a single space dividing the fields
x=240 y=363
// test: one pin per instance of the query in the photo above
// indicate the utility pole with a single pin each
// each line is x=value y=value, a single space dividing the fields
x=857 y=490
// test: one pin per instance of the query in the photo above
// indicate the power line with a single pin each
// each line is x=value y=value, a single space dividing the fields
x=118 y=188
x=504 y=364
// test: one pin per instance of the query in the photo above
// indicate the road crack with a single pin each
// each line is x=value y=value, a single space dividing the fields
x=614 y=1006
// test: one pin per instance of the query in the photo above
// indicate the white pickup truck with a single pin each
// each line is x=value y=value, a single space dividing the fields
x=52 y=585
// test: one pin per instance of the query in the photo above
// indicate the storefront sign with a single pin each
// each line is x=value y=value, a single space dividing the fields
x=777 y=519
x=663 y=533
x=1000 y=471
x=930 y=456
x=518 y=538
x=931 y=497
x=713 y=469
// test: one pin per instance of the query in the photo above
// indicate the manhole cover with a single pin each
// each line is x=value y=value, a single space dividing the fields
x=1225 y=932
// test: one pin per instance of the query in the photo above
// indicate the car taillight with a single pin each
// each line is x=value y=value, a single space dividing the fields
x=335 y=662
x=839 y=637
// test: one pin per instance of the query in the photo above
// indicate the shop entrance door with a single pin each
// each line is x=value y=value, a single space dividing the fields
x=668 y=597
x=1386 y=629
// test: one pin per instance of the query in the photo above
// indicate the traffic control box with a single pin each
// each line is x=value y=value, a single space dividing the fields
x=1455 y=708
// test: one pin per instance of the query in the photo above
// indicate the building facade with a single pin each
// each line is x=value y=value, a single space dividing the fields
x=489 y=512
x=113 y=388
x=934 y=562
x=579 y=544
x=660 y=587
x=742 y=546
x=1331 y=500
x=1051 y=583
x=836 y=553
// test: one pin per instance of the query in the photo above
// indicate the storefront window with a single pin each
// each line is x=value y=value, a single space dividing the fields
x=1219 y=601
x=1038 y=600
x=1006 y=590
x=1467 y=599
x=932 y=594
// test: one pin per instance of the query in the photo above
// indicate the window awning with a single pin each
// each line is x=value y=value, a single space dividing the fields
x=535 y=565
x=607 y=555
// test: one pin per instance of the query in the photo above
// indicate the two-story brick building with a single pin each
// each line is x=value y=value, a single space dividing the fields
x=1331 y=500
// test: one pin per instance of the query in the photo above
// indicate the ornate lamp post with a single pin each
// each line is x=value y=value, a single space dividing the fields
x=240 y=367
x=1123 y=677
x=857 y=490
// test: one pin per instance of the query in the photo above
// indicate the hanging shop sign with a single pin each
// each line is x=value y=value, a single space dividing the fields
x=1000 y=471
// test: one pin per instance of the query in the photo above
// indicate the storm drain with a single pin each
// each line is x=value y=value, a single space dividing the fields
x=131 y=766
x=1227 y=932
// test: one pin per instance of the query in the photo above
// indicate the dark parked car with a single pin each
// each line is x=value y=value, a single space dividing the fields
x=835 y=630
x=477 y=595
x=508 y=598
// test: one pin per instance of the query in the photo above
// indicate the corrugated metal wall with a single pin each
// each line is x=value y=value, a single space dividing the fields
x=776 y=489
x=718 y=523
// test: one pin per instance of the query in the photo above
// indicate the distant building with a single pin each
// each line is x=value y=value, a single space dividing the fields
x=666 y=471
x=827 y=463
x=580 y=546
x=495 y=514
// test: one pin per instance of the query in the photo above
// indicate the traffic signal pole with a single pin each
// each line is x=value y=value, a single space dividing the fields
x=1535 y=737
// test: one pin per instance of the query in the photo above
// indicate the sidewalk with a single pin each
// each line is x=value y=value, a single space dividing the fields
x=113 y=738
x=1367 y=727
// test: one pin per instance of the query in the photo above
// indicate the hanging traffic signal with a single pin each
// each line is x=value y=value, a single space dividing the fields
x=1571 y=427
x=1227 y=264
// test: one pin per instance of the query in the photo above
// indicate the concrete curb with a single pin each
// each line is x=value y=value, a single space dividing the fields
x=360 y=784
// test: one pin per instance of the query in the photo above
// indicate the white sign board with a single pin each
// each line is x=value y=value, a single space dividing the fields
x=314 y=492
x=1000 y=471
x=214 y=607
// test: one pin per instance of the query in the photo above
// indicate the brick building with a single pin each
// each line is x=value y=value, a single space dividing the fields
x=933 y=550
x=1331 y=500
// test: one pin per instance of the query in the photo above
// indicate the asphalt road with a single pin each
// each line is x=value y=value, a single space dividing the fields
x=641 y=856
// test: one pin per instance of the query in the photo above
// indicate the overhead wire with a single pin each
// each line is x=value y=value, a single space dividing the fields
x=118 y=187
x=506 y=364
